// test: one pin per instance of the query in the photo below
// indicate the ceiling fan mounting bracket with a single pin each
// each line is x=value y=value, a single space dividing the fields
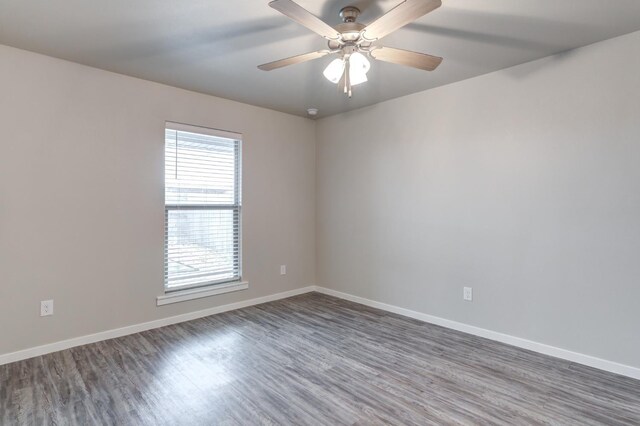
x=334 y=45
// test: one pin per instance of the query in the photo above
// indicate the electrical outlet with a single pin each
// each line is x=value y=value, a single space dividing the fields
x=283 y=269
x=467 y=294
x=46 y=308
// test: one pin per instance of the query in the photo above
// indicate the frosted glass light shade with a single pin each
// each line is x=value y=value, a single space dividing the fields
x=358 y=68
x=359 y=62
x=333 y=71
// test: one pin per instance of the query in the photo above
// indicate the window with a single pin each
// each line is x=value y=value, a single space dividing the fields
x=202 y=207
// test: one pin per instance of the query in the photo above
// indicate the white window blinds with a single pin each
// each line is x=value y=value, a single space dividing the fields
x=202 y=207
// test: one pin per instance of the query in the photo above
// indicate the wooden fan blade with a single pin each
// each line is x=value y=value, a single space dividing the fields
x=404 y=13
x=406 y=57
x=294 y=60
x=305 y=18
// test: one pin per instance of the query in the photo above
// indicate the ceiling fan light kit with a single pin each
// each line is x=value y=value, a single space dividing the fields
x=353 y=41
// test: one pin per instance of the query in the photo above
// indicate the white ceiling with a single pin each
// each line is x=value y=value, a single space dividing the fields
x=213 y=47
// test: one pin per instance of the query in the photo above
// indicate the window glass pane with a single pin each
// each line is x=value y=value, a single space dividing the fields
x=202 y=197
x=199 y=169
x=201 y=244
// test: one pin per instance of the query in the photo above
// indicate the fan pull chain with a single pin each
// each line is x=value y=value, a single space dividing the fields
x=347 y=78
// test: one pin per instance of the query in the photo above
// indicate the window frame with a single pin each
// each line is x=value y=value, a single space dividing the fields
x=236 y=207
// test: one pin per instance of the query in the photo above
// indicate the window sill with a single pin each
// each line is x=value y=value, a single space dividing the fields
x=197 y=293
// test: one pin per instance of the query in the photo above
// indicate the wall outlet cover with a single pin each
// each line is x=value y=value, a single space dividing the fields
x=467 y=293
x=46 y=308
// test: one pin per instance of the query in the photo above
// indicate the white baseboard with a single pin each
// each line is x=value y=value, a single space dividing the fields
x=137 y=328
x=579 y=358
x=576 y=357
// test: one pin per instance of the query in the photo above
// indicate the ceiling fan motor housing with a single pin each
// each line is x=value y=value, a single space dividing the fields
x=349 y=14
x=349 y=30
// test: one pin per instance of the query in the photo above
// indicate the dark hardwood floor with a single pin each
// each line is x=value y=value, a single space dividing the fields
x=315 y=360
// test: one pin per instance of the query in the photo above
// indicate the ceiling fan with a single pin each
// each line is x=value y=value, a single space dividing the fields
x=353 y=41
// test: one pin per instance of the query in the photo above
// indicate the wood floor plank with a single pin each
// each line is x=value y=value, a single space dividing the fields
x=309 y=360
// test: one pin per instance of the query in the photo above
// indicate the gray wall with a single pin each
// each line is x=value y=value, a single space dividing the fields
x=81 y=197
x=523 y=184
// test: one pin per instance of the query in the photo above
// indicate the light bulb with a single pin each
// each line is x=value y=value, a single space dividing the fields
x=358 y=68
x=333 y=71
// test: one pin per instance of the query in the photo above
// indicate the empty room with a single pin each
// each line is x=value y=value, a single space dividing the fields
x=330 y=212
